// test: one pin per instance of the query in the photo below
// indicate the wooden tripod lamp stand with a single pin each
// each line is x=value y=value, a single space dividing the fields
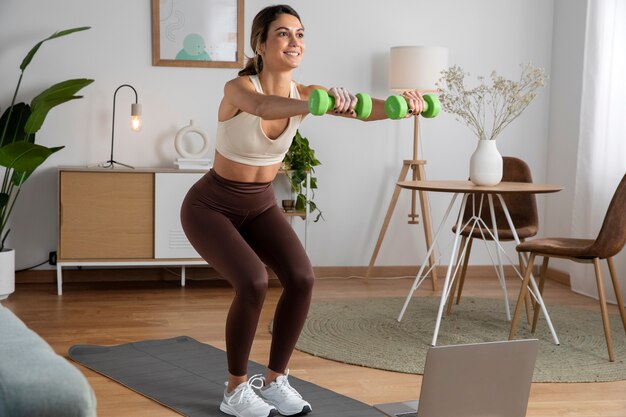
x=413 y=68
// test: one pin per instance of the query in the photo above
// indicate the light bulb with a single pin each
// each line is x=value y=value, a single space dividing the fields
x=135 y=117
x=135 y=123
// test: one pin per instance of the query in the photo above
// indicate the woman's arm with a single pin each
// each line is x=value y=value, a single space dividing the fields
x=239 y=95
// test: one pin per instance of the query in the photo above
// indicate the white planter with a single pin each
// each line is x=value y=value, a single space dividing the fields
x=7 y=273
x=486 y=164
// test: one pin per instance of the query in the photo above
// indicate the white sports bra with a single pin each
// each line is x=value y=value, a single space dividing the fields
x=241 y=138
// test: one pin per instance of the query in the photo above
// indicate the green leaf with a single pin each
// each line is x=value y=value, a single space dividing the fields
x=52 y=97
x=29 y=56
x=4 y=200
x=15 y=123
x=24 y=156
x=300 y=202
x=298 y=176
x=18 y=178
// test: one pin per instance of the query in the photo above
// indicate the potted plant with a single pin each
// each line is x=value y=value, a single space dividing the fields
x=19 y=155
x=300 y=161
x=487 y=109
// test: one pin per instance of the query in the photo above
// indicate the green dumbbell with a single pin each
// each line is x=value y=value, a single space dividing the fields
x=396 y=107
x=320 y=102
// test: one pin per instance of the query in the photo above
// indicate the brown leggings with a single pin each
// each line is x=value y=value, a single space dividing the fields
x=238 y=229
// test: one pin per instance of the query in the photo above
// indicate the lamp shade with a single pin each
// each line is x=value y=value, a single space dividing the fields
x=416 y=67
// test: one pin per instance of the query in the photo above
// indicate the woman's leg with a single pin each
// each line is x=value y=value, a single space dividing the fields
x=217 y=240
x=274 y=240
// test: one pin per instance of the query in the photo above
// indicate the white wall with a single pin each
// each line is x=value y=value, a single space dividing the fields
x=565 y=103
x=347 y=45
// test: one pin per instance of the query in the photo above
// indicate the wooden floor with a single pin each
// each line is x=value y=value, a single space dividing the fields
x=112 y=313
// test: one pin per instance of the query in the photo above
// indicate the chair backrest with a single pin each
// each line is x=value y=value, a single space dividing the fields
x=612 y=236
x=522 y=206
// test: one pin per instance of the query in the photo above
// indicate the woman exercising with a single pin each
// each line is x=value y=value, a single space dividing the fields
x=231 y=218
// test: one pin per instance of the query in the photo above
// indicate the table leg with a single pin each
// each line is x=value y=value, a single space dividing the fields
x=419 y=278
x=533 y=284
x=448 y=282
x=500 y=269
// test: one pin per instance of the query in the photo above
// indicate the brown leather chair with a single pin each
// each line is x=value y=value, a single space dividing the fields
x=522 y=208
x=610 y=241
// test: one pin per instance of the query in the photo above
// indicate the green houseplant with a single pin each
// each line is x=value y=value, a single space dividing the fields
x=19 y=155
x=299 y=161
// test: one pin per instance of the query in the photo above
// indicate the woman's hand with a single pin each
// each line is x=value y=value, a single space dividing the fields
x=345 y=101
x=415 y=101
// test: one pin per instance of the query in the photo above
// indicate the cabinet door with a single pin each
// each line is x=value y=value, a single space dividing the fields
x=106 y=215
x=169 y=239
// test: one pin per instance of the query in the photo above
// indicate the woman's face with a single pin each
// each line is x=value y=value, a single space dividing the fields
x=284 y=47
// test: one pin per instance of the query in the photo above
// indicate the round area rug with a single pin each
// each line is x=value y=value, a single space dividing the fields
x=365 y=332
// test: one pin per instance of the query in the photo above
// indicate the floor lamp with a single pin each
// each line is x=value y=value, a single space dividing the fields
x=413 y=68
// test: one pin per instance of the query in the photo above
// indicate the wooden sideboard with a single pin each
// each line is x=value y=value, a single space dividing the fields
x=124 y=217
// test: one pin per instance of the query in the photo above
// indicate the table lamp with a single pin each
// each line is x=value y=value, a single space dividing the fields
x=135 y=125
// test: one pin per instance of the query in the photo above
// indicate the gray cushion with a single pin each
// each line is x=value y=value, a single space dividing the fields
x=34 y=380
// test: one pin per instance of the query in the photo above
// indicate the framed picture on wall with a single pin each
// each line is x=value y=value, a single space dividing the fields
x=197 y=33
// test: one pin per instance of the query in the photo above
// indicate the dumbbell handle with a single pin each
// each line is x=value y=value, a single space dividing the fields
x=320 y=102
x=396 y=107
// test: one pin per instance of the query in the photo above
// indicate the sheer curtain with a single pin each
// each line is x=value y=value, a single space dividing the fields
x=602 y=145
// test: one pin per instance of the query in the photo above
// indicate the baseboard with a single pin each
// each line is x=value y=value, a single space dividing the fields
x=199 y=273
x=558 y=276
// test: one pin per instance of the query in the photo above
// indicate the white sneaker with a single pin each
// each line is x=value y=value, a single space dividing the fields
x=285 y=398
x=244 y=402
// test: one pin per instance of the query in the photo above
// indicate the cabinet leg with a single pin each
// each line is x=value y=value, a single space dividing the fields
x=182 y=275
x=59 y=279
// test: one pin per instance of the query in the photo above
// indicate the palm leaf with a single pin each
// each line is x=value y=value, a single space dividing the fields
x=24 y=156
x=52 y=97
x=14 y=119
x=29 y=56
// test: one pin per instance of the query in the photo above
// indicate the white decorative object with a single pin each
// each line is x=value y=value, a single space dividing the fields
x=486 y=164
x=7 y=273
x=180 y=148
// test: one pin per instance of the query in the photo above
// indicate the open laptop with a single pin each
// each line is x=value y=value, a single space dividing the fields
x=474 y=380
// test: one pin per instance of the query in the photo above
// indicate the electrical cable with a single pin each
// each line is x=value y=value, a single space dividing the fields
x=31 y=267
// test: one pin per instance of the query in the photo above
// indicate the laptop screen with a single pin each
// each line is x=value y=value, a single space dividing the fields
x=478 y=380
x=473 y=380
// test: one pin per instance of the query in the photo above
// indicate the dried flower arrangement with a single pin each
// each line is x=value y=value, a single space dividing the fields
x=488 y=109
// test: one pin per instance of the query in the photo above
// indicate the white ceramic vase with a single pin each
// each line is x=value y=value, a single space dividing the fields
x=7 y=273
x=486 y=164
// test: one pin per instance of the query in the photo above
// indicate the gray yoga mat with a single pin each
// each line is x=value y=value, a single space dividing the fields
x=188 y=376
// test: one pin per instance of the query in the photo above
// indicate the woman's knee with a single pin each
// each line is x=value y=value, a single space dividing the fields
x=253 y=286
x=300 y=281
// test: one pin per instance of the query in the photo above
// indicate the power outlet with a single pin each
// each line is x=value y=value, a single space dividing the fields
x=52 y=258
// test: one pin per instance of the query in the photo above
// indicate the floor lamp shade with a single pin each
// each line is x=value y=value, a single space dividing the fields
x=416 y=67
